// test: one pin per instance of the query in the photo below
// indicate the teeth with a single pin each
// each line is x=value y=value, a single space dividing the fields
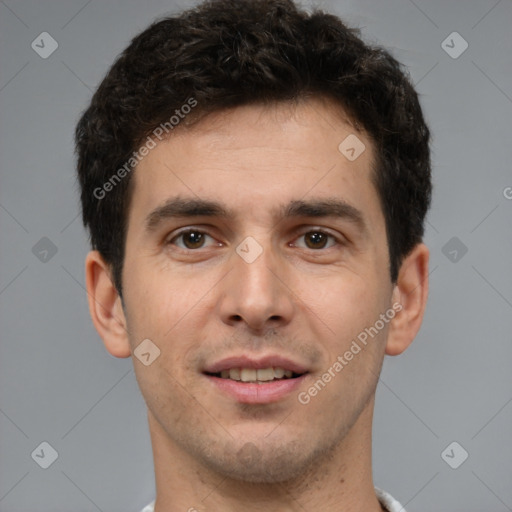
x=265 y=374
x=234 y=373
x=248 y=374
x=278 y=373
x=253 y=375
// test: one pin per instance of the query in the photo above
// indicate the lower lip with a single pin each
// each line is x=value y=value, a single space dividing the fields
x=253 y=393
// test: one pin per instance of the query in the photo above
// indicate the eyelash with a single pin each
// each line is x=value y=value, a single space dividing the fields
x=194 y=230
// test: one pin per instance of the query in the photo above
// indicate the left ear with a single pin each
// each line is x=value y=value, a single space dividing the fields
x=411 y=292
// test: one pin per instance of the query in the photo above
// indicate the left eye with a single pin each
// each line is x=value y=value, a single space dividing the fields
x=317 y=239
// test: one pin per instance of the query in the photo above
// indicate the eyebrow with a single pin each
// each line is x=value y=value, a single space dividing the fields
x=193 y=207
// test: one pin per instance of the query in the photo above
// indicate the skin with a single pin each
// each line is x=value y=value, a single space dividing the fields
x=308 y=302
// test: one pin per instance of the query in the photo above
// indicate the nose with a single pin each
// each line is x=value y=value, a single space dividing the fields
x=256 y=292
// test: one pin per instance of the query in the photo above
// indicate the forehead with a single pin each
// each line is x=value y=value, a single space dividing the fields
x=260 y=156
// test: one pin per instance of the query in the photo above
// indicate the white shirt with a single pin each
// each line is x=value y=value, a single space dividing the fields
x=385 y=499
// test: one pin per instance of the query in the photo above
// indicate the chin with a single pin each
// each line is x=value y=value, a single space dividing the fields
x=265 y=463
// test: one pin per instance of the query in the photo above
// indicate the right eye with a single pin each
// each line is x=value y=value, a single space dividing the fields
x=191 y=238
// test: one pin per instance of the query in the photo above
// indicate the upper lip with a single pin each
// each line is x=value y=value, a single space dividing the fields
x=245 y=361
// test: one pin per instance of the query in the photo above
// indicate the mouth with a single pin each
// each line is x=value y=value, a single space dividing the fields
x=258 y=376
x=256 y=381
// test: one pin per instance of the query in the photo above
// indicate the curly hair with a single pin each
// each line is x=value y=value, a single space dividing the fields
x=227 y=53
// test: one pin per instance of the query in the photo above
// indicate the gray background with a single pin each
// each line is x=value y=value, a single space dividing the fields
x=59 y=385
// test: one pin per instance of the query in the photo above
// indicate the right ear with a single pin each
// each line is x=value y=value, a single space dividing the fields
x=105 y=306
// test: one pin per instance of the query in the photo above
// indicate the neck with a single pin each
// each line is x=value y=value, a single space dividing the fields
x=337 y=481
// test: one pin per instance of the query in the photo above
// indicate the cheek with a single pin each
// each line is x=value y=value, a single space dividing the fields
x=154 y=304
x=156 y=313
x=345 y=301
x=170 y=313
x=346 y=309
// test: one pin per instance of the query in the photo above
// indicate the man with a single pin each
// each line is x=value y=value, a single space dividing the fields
x=255 y=181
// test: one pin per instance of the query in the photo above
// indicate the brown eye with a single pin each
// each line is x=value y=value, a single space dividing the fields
x=193 y=239
x=190 y=239
x=316 y=239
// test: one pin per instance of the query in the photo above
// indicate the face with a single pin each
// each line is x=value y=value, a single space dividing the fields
x=257 y=250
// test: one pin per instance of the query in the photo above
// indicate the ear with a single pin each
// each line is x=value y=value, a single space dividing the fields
x=409 y=300
x=105 y=306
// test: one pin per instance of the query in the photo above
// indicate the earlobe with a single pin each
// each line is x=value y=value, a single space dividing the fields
x=411 y=292
x=105 y=306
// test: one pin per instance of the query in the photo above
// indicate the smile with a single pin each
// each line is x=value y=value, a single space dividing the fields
x=256 y=375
